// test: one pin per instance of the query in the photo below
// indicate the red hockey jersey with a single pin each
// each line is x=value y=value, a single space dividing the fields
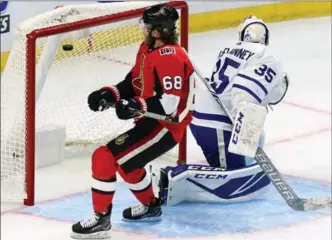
x=164 y=78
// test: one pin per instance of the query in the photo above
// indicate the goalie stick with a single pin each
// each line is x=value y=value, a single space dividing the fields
x=296 y=203
x=166 y=118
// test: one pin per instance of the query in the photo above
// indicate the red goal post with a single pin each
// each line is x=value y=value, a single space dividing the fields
x=30 y=79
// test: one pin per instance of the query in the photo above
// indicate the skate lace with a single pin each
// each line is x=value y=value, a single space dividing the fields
x=90 y=222
x=139 y=210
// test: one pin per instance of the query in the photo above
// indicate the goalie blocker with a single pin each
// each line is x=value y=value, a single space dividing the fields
x=248 y=128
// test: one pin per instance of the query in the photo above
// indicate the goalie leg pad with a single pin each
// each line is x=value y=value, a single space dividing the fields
x=197 y=183
x=104 y=167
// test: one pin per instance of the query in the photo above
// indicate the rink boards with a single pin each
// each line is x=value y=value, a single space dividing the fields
x=210 y=19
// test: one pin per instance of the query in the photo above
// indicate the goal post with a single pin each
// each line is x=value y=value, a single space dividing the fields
x=104 y=34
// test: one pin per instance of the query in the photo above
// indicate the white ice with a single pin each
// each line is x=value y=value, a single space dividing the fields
x=298 y=134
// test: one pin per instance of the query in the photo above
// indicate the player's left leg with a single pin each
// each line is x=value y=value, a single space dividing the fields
x=126 y=154
x=139 y=182
x=133 y=151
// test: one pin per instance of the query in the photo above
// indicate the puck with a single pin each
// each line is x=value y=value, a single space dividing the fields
x=16 y=155
x=67 y=47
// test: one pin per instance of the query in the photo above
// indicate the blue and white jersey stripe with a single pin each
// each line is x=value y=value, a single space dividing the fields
x=248 y=90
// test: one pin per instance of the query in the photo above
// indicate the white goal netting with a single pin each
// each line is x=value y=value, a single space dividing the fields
x=101 y=55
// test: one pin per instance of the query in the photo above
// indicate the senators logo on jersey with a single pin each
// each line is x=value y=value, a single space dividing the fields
x=121 y=139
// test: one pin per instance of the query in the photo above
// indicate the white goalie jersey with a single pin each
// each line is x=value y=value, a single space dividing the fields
x=244 y=72
x=228 y=122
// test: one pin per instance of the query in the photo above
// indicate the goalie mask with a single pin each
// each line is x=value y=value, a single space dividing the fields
x=254 y=30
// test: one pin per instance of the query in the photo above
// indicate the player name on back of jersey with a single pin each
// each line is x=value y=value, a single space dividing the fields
x=241 y=53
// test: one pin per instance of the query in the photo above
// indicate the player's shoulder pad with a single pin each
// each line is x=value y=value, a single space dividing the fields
x=267 y=56
x=253 y=47
x=143 y=44
x=143 y=47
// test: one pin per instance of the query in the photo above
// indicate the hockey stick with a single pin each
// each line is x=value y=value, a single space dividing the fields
x=166 y=118
x=296 y=203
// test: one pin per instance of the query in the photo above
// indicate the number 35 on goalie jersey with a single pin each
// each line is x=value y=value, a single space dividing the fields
x=248 y=72
x=164 y=78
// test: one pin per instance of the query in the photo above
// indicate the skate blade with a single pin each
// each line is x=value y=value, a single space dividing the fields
x=98 y=235
x=148 y=219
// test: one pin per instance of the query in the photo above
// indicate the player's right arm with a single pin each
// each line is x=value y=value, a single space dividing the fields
x=111 y=94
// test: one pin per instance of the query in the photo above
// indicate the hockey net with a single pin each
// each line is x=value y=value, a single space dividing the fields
x=44 y=86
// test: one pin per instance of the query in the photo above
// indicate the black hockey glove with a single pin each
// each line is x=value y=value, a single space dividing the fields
x=101 y=99
x=125 y=108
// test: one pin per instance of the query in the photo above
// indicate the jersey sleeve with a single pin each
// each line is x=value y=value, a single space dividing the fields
x=125 y=87
x=173 y=85
x=255 y=81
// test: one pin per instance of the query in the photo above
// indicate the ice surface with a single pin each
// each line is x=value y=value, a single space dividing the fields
x=188 y=219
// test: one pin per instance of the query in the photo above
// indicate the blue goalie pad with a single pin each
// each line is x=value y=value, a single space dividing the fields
x=197 y=183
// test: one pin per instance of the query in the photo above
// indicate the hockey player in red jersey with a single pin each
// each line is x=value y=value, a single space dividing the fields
x=160 y=82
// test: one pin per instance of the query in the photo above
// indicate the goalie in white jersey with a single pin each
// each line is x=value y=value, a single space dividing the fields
x=247 y=78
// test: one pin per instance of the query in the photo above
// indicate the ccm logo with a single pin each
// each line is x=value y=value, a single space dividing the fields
x=237 y=128
x=209 y=176
x=4 y=23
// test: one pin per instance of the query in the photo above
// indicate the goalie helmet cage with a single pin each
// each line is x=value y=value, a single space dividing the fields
x=31 y=49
